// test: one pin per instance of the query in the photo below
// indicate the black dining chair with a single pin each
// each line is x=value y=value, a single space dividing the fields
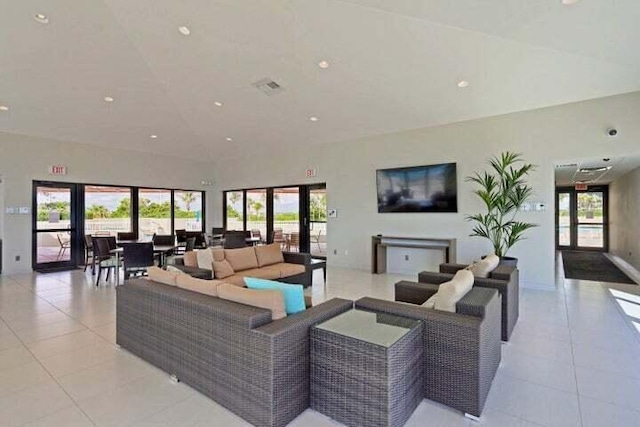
x=201 y=238
x=126 y=235
x=181 y=240
x=164 y=239
x=235 y=239
x=102 y=256
x=88 y=250
x=137 y=257
x=190 y=245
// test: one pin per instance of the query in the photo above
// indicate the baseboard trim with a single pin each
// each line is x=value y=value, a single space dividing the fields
x=627 y=268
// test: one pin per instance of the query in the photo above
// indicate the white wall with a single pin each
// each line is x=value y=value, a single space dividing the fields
x=624 y=218
x=24 y=159
x=545 y=137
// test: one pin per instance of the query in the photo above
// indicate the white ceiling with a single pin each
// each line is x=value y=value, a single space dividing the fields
x=569 y=173
x=395 y=65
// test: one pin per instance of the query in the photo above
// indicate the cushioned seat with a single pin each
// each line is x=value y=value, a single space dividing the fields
x=287 y=269
x=270 y=272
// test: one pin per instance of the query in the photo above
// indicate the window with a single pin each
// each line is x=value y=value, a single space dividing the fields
x=187 y=210
x=235 y=210
x=257 y=213
x=154 y=212
x=107 y=209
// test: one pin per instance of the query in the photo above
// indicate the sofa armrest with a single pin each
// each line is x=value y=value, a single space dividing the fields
x=200 y=273
x=434 y=278
x=414 y=293
x=503 y=272
x=452 y=268
x=297 y=258
x=478 y=301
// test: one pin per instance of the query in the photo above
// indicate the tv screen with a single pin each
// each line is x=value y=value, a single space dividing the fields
x=431 y=188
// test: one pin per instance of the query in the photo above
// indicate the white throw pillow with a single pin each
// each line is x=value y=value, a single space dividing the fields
x=484 y=267
x=205 y=258
x=431 y=302
x=173 y=269
x=449 y=293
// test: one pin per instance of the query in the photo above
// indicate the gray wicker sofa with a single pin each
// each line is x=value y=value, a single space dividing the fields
x=504 y=279
x=462 y=350
x=233 y=353
x=305 y=279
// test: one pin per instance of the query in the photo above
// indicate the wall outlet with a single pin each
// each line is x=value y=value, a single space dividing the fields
x=335 y=252
x=406 y=257
x=17 y=258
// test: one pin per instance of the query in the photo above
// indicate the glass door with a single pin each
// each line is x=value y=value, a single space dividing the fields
x=317 y=223
x=286 y=218
x=564 y=220
x=54 y=226
x=582 y=218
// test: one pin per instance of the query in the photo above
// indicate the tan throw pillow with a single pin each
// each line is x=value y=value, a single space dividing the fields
x=449 y=293
x=222 y=269
x=218 y=254
x=205 y=258
x=269 y=254
x=485 y=266
x=190 y=259
x=241 y=259
x=207 y=287
x=162 y=276
x=270 y=299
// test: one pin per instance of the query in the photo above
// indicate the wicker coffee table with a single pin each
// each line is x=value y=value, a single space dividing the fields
x=366 y=368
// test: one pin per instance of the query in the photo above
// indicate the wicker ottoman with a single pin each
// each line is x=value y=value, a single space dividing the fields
x=366 y=368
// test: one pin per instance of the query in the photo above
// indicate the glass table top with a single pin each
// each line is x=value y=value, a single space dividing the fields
x=375 y=328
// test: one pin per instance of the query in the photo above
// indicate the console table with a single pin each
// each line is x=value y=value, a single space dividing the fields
x=380 y=243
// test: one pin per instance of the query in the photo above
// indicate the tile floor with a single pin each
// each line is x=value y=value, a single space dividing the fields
x=573 y=360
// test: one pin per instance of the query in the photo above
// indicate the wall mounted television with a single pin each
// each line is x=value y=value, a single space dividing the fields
x=430 y=188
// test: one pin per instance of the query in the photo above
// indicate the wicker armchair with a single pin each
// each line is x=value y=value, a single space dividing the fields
x=504 y=279
x=233 y=353
x=462 y=350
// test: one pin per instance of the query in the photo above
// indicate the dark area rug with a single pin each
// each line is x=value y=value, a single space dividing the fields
x=592 y=266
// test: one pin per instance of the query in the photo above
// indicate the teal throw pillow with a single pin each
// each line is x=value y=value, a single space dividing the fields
x=293 y=294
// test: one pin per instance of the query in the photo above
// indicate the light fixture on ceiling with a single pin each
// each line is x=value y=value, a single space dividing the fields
x=596 y=169
x=4 y=108
x=229 y=139
x=108 y=99
x=569 y=2
x=324 y=64
x=462 y=84
x=153 y=136
x=218 y=104
x=313 y=119
x=42 y=19
x=184 y=30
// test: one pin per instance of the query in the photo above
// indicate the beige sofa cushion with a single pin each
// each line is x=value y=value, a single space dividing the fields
x=449 y=293
x=241 y=259
x=190 y=259
x=485 y=266
x=218 y=253
x=207 y=287
x=269 y=273
x=222 y=269
x=162 y=276
x=236 y=280
x=270 y=299
x=287 y=269
x=269 y=254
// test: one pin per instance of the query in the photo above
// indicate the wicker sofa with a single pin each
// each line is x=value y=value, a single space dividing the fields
x=504 y=279
x=295 y=269
x=233 y=353
x=462 y=350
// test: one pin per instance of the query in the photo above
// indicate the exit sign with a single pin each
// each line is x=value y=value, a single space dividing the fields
x=57 y=170
x=311 y=173
x=581 y=187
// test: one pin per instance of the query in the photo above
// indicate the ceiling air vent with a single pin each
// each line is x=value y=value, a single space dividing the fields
x=269 y=87
x=567 y=165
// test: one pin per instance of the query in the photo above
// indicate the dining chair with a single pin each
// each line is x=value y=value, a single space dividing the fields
x=88 y=250
x=190 y=245
x=201 y=238
x=235 y=239
x=102 y=256
x=65 y=243
x=294 y=241
x=137 y=257
x=164 y=239
x=126 y=235
x=316 y=239
x=256 y=233
x=278 y=237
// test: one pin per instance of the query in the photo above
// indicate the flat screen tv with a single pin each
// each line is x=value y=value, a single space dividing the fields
x=431 y=188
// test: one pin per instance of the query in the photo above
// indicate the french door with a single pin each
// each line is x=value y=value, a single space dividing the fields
x=55 y=242
x=582 y=221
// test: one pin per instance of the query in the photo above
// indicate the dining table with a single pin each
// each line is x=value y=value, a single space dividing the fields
x=161 y=250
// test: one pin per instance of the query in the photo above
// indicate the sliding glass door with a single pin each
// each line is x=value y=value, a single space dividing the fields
x=55 y=241
x=317 y=220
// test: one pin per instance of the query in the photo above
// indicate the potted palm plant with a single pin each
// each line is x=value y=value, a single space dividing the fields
x=504 y=190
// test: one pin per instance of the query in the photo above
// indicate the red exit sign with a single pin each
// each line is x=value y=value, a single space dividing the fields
x=57 y=170
x=581 y=187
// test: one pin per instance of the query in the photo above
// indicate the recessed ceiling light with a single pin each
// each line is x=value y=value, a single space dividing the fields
x=313 y=119
x=229 y=139
x=463 y=84
x=323 y=64
x=39 y=17
x=108 y=99
x=153 y=136
x=570 y=2
x=4 y=108
x=218 y=104
x=184 y=30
